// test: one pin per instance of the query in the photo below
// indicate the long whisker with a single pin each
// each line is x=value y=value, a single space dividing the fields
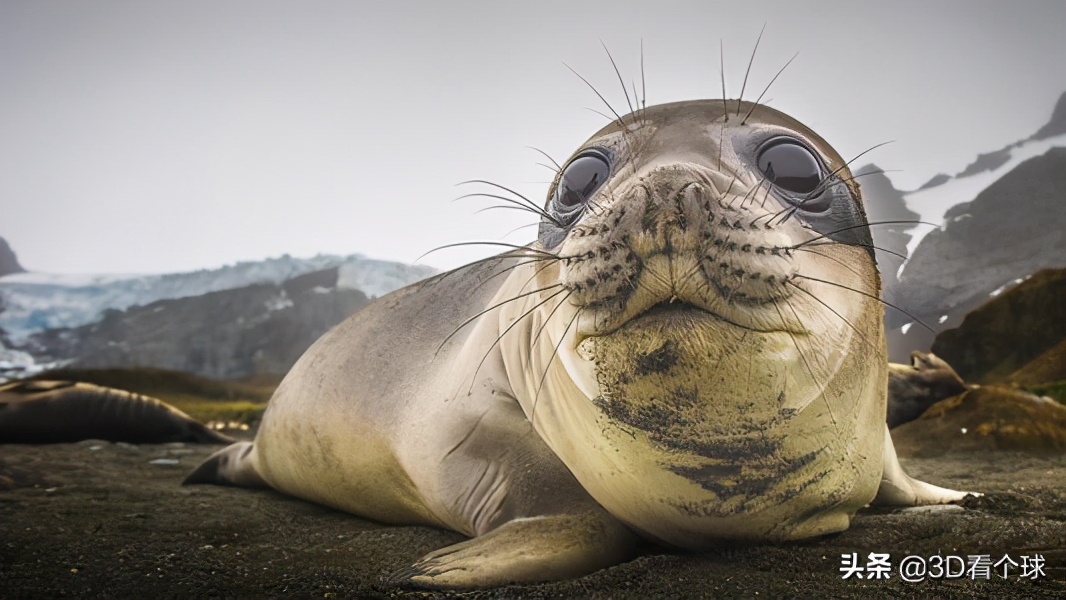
x=558 y=167
x=547 y=366
x=870 y=246
x=867 y=225
x=524 y=199
x=871 y=296
x=751 y=60
x=643 y=87
x=530 y=261
x=598 y=94
x=792 y=209
x=487 y=243
x=499 y=338
x=834 y=259
x=756 y=103
x=521 y=227
x=814 y=378
x=831 y=309
x=725 y=107
x=619 y=74
x=493 y=307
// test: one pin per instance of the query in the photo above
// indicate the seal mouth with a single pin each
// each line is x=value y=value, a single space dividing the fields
x=675 y=313
x=682 y=313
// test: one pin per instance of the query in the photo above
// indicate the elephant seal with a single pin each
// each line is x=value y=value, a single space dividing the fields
x=692 y=351
x=915 y=387
x=50 y=412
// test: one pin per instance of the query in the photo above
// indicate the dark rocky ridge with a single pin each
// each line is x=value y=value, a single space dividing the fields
x=258 y=329
x=9 y=263
x=1057 y=124
x=935 y=180
x=1010 y=331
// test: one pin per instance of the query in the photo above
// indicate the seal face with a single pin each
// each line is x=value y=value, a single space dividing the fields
x=691 y=351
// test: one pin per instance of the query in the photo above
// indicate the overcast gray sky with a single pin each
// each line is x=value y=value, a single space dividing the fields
x=166 y=136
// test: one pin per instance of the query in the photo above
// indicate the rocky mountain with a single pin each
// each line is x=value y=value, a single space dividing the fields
x=253 y=330
x=245 y=319
x=1057 y=125
x=1011 y=229
x=35 y=301
x=1011 y=332
x=1003 y=217
x=9 y=263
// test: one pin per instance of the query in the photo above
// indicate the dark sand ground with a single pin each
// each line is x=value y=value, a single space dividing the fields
x=96 y=519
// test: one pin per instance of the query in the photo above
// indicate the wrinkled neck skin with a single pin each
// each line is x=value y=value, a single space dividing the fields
x=700 y=384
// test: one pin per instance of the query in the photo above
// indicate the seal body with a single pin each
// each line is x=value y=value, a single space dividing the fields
x=48 y=412
x=690 y=352
x=914 y=388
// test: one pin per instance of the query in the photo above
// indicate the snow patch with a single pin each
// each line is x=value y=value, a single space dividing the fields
x=34 y=302
x=933 y=203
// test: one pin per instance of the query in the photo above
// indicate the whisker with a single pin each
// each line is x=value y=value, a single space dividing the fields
x=493 y=307
x=487 y=243
x=558 y=167
x=834 y=259
x=814 y=378
x=871 y=296
x=831 y=309
x=870 y=246
x=508 y=268
x=643 y=87
x=521 y=227
x=756 y=103
x=598 y=94
x=547 y=366
x=725 y=107
x=751 y=60
x=619 y=74
x=524 y=199
x=866 y=225
x=499 y=338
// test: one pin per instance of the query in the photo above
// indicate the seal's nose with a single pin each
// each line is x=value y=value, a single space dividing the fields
x=677 y=199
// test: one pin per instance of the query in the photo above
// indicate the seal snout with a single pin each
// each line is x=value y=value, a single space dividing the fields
x=681 y=233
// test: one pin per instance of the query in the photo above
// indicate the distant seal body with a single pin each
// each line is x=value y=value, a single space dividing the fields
x=691 y=352
x=914 y=388
x=47 y=412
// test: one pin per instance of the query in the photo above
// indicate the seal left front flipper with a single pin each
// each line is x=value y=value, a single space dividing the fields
x=899 y=489
x=526 y=550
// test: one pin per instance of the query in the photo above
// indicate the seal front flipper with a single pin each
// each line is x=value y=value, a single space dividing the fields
x=526 y=550
x=899 y=489
x=232 y=465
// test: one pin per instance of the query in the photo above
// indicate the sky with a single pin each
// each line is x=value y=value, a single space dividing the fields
x=150 y=137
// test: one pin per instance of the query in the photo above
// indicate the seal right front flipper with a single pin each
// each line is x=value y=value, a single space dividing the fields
x=532 y=519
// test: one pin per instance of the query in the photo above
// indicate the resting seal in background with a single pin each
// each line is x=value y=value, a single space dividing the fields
x=692 y=351
x=49 y=412
x=914 y=388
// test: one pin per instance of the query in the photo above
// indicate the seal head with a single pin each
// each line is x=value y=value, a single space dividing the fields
x=722 y=327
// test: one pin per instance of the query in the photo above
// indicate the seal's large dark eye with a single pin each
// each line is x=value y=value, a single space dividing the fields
x=580 y=179
x=790 y=166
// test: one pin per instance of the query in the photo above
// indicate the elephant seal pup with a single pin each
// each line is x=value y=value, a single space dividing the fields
x=914 y=388
x=50 y=412
x=690 y=352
